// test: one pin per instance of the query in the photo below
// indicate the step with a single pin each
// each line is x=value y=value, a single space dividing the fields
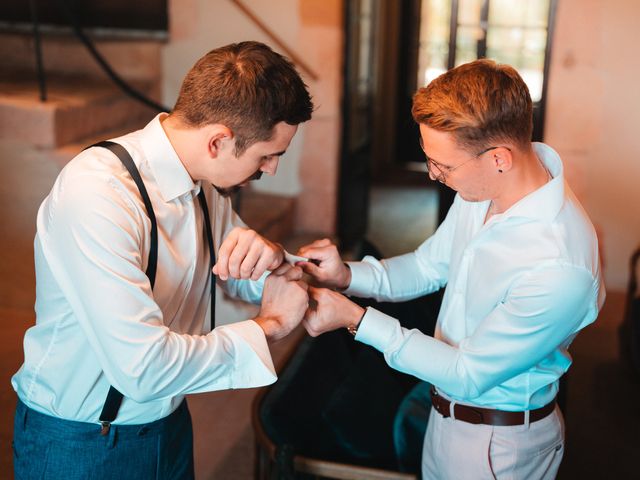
x=76 y=108
x=62 y=155
x=64 y=54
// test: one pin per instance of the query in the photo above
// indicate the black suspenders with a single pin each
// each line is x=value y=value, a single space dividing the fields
x=114 y=397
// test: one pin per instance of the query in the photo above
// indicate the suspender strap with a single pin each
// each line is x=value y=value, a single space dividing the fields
x=127 y=161
x=114 y=397
x=212 y=253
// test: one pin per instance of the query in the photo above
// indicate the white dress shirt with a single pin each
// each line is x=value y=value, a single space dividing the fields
x=519 y=288
x=98 y=323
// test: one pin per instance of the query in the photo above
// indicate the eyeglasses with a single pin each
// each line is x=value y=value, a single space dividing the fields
x=444 y=170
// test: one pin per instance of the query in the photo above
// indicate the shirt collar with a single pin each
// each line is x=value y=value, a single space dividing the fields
x=172 y=178
x=544 y=203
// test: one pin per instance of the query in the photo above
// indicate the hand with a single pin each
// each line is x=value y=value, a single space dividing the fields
x=330 y=310
x=245 y=254
x=331 y=271
x=284 y=302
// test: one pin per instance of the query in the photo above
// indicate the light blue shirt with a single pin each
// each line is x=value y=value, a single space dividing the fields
x=98 y=323
x=519 y=288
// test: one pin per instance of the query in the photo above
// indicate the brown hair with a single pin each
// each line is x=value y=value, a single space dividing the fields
x=480 y=102
x=247 y=87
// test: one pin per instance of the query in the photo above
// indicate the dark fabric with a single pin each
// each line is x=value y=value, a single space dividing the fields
x=46 y=447
x=337 y=398
x=629 y=331
x=212 y=253
x=410 y=426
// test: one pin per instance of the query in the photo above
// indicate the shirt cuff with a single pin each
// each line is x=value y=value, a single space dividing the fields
x=376 y=329
x=253 y=363
x=362 y=274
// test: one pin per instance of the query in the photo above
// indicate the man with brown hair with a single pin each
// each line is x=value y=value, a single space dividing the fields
x=519 y=258
x=124 y=252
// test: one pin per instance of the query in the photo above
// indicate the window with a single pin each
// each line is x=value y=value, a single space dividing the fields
x=517 y=32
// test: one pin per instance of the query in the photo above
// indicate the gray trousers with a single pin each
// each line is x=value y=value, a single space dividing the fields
x=454 y=449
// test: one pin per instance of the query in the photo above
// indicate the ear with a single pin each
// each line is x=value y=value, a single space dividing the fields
x=219 y=140
x=502 y=159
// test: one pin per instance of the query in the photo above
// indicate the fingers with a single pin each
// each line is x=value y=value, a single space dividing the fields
x=328 y=310
x=247 y=247
x=248 y=266
x=245 y=254
x=309 y=268
x=221 y=268
x=289 y=272
x=317 y=244
x=261 y=266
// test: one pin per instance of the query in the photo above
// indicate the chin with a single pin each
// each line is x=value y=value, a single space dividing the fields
x=469 y=197
x=227 y=191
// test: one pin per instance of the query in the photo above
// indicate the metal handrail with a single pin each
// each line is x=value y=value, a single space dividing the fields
x=37 y=40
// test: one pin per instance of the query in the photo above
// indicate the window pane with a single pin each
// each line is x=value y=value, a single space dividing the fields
x=531 y=13
x=516 y=34
x=467 y=44
x=434 y=39
x=524 y=50
x=469 y=12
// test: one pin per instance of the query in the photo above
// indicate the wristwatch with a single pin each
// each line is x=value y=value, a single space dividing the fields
x=353 y=329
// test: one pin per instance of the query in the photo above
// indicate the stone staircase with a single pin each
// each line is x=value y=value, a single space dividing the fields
x=77 y=108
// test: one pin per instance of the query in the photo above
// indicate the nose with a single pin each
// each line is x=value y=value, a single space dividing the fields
x=434 y=172
x=270 y=166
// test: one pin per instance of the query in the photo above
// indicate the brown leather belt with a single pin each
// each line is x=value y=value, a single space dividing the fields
x=487 y=416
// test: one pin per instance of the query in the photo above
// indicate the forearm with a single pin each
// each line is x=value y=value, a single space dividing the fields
x=170 y=364
x=395 y=279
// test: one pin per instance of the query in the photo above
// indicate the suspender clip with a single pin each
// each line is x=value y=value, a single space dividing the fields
x=105 y=428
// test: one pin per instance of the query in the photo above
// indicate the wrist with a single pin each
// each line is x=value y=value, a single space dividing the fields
x=268 y=326
x=356 y=321
x=346 y=281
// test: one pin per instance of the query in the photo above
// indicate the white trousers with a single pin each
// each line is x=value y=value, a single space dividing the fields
x=454 y=449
